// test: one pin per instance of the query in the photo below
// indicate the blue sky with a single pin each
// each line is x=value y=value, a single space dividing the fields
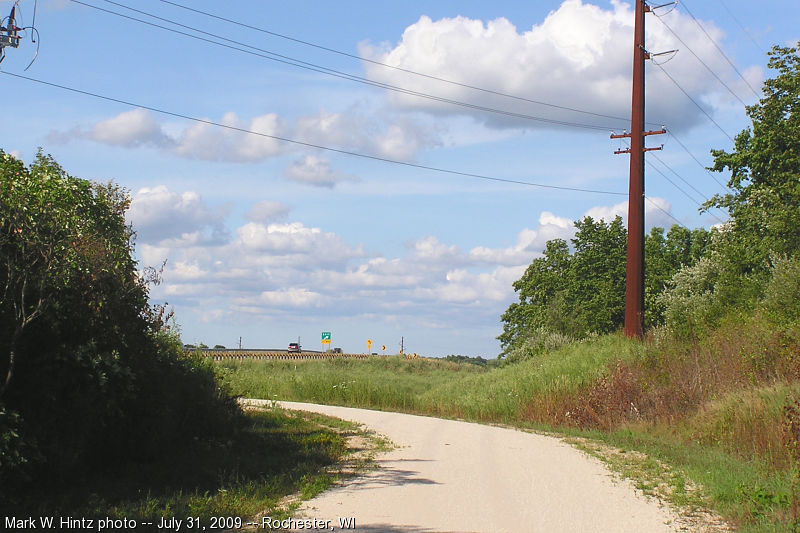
x=270 y=241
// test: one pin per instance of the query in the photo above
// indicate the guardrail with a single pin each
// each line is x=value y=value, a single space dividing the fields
x=234 y=355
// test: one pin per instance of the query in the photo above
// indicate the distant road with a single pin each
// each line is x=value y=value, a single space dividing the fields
x=450 y=476
x=244 y=353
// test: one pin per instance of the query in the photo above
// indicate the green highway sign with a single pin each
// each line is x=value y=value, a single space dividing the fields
x=326 y=335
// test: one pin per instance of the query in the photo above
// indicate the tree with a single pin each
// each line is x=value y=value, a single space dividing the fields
x=597 y=281
x=571 y=294
x=565 y=295
x=89 y=372
x=43 y=235
x=538 y=289
x=663 y=258
x=764 y=166
x=64 y=241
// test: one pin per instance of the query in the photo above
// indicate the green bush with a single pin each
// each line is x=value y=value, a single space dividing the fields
x=782 y=294
x=15 y=452
x=539 y=341
x=90 y=373
x=690 y=303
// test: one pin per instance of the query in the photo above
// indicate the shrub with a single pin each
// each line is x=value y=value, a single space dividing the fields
x=782 y=294
x=690 y=303
x=538 y=341
x=15 y=452
x=90 y=373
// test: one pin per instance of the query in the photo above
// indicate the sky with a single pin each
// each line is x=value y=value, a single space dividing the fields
x=270 y=241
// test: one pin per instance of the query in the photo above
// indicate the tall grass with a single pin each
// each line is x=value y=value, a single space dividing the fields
x=430 y=386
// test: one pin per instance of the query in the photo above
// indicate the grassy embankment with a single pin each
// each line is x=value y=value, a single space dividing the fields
x=710 y=412
x=277 y=458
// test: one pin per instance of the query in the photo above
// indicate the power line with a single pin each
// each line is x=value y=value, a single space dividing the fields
x=394 y=67
x=690 y=197
x=686 y=194
x=720 y=49
x=331 y=72
x=307 y=144
x=693 y=101
x=661 y=19
x=665 y=212
x=699 y=204
x=681 y=178
x=741 y=26
x=671 y=134
x=703 y=196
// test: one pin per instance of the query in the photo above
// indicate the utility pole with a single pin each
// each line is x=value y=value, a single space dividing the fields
x=402 y=347
x=634 y=280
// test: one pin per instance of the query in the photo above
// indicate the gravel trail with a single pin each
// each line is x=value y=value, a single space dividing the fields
x=459 y=477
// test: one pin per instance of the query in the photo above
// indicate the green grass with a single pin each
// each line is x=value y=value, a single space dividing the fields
x=428 y=386
x=748 y=492
x=708 y=415
x=277 y=454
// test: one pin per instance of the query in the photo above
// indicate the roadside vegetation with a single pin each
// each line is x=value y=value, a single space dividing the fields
x=102 y=413
x=711 y=395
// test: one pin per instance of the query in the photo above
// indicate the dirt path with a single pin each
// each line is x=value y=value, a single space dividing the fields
x=449 y=476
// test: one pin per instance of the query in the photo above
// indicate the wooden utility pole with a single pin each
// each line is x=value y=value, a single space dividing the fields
x=634 y=281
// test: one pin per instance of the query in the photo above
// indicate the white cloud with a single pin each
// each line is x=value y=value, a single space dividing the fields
x=380 y=134
x=579 y=57
x=237 y=140
x=263 y=267
x=213 y=143
x=188 y=271
x=131 y=128
x=430 y=250
x=463 y=287
x=294 y=297
x=293 y=237
x=267 y=210
x=375 y=275
x=312 y=170
x=267 y=268
x=608 y=213
x=171 y=219
x=529 y=242
x=657 y=212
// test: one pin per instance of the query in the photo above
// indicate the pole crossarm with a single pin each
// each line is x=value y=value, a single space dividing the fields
x=645 y=133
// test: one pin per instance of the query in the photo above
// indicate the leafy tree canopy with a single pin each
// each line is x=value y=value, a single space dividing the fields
x=575 y=293
x=764 y=166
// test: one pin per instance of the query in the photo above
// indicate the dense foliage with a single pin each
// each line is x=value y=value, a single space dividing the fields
x=764 y=166
x=753 y=262
x=89 y=372
x=570 y=294
x=465 y=359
